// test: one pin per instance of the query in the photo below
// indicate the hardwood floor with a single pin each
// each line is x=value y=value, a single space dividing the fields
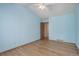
x=44 y=48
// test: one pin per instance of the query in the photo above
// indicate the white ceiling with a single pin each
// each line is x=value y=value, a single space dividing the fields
x=53 y=9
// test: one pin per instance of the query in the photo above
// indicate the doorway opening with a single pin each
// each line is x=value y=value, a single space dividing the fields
x=44 y=30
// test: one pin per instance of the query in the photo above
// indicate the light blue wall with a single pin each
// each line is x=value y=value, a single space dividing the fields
x=63 y=27
x=18 y=26
x=77 y=25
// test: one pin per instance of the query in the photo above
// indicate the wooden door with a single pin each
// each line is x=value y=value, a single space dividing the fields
x=44 y=30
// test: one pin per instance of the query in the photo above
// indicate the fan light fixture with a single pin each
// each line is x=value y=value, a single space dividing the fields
x=41 y=6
